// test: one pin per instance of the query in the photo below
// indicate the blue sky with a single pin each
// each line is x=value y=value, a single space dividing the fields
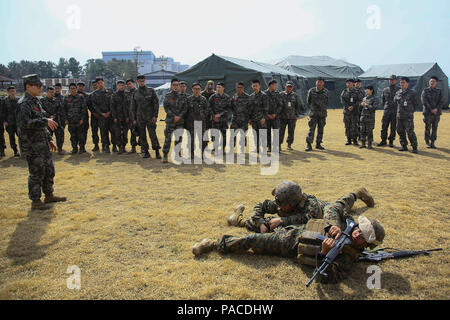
x=409 y=30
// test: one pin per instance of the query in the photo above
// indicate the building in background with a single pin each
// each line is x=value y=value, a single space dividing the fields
x=146 y=60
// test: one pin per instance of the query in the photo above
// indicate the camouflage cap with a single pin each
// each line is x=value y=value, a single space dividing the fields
x=289 y=84
x=120 y=81
x=31 y=79
x=372 y=231
x=288 y=193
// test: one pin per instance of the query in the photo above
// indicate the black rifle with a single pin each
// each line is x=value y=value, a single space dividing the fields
x=381 y=254
x=343 y=240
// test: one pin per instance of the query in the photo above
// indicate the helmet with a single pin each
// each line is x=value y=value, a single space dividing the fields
x=373 y=232
x=288 y=193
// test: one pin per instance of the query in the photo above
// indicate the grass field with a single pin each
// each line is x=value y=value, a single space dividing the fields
x=130 y=223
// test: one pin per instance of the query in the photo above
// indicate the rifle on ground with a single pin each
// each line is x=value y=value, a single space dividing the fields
x=382 y=254
x=343 y=240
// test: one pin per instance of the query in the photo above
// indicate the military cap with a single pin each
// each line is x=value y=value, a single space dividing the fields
x=120 y=81
x=320 y=79
x=221 y=84
x=81 y=83
x=289 y=84
x=11 y=88
x=350 y=80
x=372 y=231
x=50 y=88
x=370 y=88
x=140 y=77
x=182 y=82
x=405 y=79
x=272 y=82
x=288 y=193
x=196 y=84
x=393 y=77
x=31 y=79
x=129 y=80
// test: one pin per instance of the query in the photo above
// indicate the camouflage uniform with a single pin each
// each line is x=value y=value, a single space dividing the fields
x=240 y=105
x=86 y=117
x=221 y=105
x=145 y=107
x=367 y=121
x=2 y=128
x=390 y=113
x=10 y=108
x=259 y=106
x=351 y=98
x=292 y=108
x=407 y=103
x=275 y=107
x=208 y=95
x=120 y=111
x=317 y=102
x=361 y=94
x=198 y=110
x=75 y=110
x=54 y=108
x=174 y=105
x=35 y=138
x=101 y=103
x=133 y=139
x=94 y=120
x=335 y=212
x=431 y=99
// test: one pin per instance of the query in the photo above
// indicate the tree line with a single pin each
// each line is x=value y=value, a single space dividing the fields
x=71 y=67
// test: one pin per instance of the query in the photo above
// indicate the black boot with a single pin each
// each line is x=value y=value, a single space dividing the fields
x=414 y=150
x=16 y=153
x=370 y=145
x=158 y=155
x=114 y=149
x=391 y=143
x=82 y=150
x=403 y=148
x=319 y=147
x=382 y=144
x=363 y=144
x=146 y=155
x=355 y=142
x=121 y=150
x=75 y=151
x=166 y=158
x=432 y=145
x=309 y=147
x=349 y=142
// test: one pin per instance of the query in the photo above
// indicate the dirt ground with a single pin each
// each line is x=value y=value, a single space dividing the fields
x=130 y=223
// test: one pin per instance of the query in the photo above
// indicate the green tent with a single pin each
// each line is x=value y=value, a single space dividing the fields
x=334 y=71
x=231 y=70
x=418 y=73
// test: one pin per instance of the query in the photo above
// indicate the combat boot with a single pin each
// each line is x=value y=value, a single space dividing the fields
x=106 y=149
x=50 y=198
x=16 y=153
x=427 y=142
x=96 y=148
x=237 y=218
x=146 y=155
x=349 y=142
x=355 y=142
x=133 y=150
x=74 y=151
x=308 y=147
x=370 y=145
x=414 y=150
x=365 y=196
x=290 y=147
x=121 y=150
x=166 y=158
x=114 y=149
x=39 y=205
x=205 y=246
x=319 y=147
x=82 y=150
x=382 y=144
x=391 y=143
x=157 y=154
x=403 y=148
x=432 y=145
x=363 y=144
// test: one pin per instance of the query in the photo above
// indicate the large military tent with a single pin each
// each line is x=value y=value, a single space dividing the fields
x=334 y=71
x=231 y=70
x=418 y=73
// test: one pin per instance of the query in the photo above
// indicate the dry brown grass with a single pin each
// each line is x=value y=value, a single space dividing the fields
x=130 y=223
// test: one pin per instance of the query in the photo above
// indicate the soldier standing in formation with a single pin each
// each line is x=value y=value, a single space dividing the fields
x=432 y=101
x=2 y=129
x=176 y=108
x=259 y=106
x=80 y=90
x=120 y=112
x=273 y=115
x=144 y=114
x=37 y=144
x=75 y=111
x=133 y=128
x=390 y=113
x=361 y=95
x=407 y=102
x=240 y=105
x=220 y=106
x=368 y=108
x=317 y=101
x=198 y=110
x=290 y=113
x=94 y=119
x=10 y=105
x=55 y=109
x=101 y=103
x=350 y=101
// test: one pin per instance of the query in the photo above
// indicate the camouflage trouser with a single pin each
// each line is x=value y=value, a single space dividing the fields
x=431 y=126
x=85 y=128
x=59 y=134
x=189 y=126
x=351 y=125
x=170 y=128
x=272 y=124
x=222 y=126
x=120 y=133
x=406 y=127
x=291 y=124
x=2 y=137
x=366 y=131
x=151 y=128
x=314 y=122
x=41 y=171
x=257 y=139
x=282 y=242
x=134 y=139
x=331 y=210
x=94 y=128
x=77 y=135
x=12 y=133
x=389 y=119
x=105 y=130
